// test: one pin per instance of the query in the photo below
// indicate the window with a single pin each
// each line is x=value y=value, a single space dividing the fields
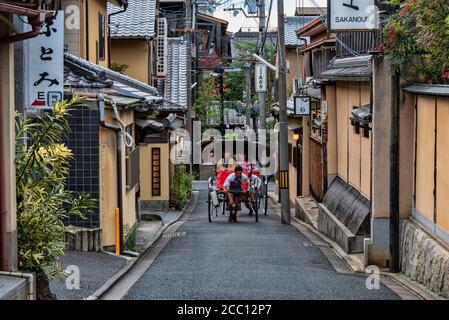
x=156 y=172
x=101 y=36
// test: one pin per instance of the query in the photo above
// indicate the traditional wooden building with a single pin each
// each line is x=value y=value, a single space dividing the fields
x=133 y=39
x=106 y=150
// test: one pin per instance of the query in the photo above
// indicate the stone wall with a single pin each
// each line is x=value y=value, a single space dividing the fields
x=87 y=240
x=423 y=259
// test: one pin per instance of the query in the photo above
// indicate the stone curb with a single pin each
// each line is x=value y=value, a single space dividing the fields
x=119 y=274
x=356 y=267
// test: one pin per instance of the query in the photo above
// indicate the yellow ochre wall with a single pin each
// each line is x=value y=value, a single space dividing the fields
x=133 y=53
x=293 y=172
x=92 y=33
x=293 y=69
x=145 y=172
x=353 y=150
x=108 y=174
x=82 y=42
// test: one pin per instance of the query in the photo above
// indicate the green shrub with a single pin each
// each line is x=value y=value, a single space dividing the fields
x=43 y=202
x=182 y=183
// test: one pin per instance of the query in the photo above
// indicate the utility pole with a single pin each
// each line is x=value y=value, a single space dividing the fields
x=262 y=95
x=283 y=146
x=248 y=94
x=188 y=26
x=394 y=176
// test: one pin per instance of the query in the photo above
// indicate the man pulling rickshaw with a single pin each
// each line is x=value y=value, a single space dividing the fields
x=239 y=188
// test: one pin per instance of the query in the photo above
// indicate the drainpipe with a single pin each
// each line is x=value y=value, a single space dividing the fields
x=35 y=17
x=118 y=133
x=31 y=295
x=3 y=212
x=125 y=7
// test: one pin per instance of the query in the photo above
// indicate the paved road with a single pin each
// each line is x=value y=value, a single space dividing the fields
x=246 y=261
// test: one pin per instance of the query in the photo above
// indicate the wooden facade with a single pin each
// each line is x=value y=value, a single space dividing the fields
x=431 y=187
x=353 y=149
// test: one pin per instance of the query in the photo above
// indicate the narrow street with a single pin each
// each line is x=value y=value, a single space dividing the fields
x=246 y=260
x=125 y=122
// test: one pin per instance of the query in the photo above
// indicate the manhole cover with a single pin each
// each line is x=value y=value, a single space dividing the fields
x=174 y=235
x=316 y=245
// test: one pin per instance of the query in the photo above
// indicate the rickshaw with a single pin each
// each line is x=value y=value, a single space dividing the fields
x=217 y=200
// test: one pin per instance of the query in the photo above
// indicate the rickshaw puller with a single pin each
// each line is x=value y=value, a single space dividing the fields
x=233 y=189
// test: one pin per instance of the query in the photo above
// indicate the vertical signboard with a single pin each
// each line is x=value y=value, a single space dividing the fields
x=44 y=65
x=356 y=15
x=261 y=77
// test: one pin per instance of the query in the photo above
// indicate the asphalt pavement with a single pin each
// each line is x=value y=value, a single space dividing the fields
x=94 y=270
x=246 y=260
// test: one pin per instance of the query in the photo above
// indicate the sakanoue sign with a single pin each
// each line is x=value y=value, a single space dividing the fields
x=352 y=15
x=44 y=65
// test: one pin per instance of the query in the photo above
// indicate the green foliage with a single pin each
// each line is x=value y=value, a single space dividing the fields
x=130 y=238
x=206 y=96
x=417 y=38
x=182 y=184
x=231 y=136
x=119 y=67
x=237 y=82
x=43 y=201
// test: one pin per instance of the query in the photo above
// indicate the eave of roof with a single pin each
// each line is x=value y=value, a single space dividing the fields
x=357 y=68
x=428 y=89
x=212 y=18
x=313 y=28
x=84 y=76
x=321 y=42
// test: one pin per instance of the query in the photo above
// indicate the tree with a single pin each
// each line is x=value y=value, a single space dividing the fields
x=417 y=38
x=43 y=202
x=236 y=82
x=207 y=94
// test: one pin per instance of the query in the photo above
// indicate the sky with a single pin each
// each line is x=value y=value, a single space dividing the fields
x=235 y=23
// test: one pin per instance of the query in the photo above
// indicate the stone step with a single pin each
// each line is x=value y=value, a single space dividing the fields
x=306 y=209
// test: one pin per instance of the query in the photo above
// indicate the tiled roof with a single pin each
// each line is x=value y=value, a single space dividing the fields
x=357 y=68
x=176 y=82
x=82 y=74
x=136 y=22
x=293 y=24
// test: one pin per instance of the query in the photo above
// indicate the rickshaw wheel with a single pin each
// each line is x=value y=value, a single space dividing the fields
x=223 y=212
x=266 y=198
x=209 y=206
x=256 y=207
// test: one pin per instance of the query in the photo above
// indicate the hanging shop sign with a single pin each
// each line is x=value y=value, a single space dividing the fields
x=302 y=105
x=261 y=77
x=44 y=65
x=352 y=15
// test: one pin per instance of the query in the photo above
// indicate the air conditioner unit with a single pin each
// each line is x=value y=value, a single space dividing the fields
x=162 y=48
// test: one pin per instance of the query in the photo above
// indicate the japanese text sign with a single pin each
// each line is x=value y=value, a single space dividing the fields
x=45 y=64
x=261 y=78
